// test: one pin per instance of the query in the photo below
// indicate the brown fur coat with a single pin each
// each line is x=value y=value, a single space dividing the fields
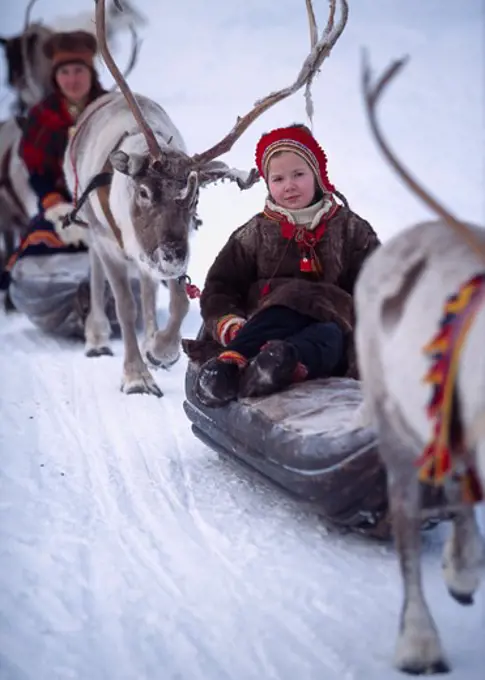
x=258 y=254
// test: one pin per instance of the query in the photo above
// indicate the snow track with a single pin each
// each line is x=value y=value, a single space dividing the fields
x=129 y=550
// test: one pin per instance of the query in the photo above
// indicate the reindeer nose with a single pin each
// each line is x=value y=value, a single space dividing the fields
x=170 y=253
x=175 y=251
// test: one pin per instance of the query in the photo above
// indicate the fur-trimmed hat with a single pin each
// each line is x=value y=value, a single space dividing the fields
x=299 y=140
x=71 y=47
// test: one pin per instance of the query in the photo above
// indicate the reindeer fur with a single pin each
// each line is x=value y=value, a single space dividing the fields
x=400 y=296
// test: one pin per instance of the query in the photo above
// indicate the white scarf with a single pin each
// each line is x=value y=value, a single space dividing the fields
x=310 y=216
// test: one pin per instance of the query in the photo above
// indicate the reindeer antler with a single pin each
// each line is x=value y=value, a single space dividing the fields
x=28 y=10
x=153 y=146
x=30 y=81
x=371 y=97
x=135 y=51
x=313 y=22
x=312 y=63
x=313 y=41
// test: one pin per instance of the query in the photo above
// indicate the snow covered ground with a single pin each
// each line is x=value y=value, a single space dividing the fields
x=129 y=550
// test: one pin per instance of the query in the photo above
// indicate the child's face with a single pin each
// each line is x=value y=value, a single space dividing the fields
x=291 y=181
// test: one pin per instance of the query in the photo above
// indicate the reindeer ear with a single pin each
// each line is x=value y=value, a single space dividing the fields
x=188 y=196
x=132 y=164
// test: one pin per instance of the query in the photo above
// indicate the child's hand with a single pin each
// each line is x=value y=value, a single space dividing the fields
x=228 y=327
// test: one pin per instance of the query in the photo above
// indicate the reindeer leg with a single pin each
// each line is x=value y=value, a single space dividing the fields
x=149 y=289
x=163 y=348
x=419 y=648
x=97 y=330
x=464 y=556
x=137 y=379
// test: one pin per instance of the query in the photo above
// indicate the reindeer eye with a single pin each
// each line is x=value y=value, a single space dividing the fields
x=144 y=193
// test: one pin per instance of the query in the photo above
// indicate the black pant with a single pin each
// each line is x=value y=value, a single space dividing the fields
x=319 y=345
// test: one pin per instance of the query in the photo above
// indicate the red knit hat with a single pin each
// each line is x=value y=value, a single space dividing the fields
x=297 y=139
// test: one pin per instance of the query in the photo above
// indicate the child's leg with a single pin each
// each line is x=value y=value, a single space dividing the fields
x=219 y=378
x=320 y=348
x=274 y=323
x=315 y=351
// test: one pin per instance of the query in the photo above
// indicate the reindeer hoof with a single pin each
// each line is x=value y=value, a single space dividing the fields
x=165 y=364
x=99 y=352
x=436 y=668
x=419 y=653
x=465 y=599
x=143 y=384
x=162 y=350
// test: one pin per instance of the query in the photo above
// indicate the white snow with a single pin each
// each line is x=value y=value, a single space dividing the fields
x=129 y=550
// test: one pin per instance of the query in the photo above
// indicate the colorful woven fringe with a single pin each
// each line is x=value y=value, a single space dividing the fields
x=442 y=455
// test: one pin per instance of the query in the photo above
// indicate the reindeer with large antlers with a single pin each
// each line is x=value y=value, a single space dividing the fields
x=148 y=210
x=427 y=281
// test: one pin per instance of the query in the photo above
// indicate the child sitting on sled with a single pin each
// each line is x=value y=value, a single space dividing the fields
x=277 y=302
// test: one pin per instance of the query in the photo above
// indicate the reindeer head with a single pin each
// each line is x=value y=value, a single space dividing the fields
x=163 y=198
x=164 y=183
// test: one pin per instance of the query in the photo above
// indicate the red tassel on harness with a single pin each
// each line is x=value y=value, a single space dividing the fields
x=192 y=291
